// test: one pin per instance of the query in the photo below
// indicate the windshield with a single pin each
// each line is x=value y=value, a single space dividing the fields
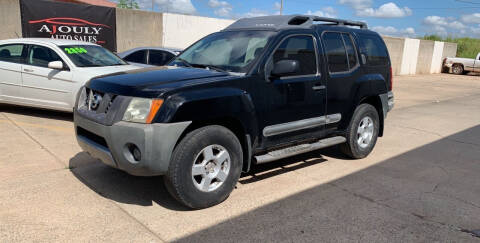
x=231 y=51
x=91 y=56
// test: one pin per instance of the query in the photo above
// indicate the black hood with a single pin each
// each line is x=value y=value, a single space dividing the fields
x=152 y=82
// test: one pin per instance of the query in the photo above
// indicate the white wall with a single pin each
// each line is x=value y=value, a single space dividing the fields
x=181 y=31
x=410 y=57
x=437 y=57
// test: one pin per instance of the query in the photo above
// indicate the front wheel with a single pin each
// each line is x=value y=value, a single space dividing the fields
x=362 y=132
x=205 y=167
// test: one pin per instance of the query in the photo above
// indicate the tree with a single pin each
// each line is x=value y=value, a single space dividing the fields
x=129 y=4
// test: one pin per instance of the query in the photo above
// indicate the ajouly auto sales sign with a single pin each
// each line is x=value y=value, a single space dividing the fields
x=60 y=20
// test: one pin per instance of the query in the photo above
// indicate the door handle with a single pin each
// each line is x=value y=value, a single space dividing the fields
x=28 y=70
x=318 y=87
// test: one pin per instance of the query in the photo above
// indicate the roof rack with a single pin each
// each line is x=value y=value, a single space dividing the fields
x=277 y=22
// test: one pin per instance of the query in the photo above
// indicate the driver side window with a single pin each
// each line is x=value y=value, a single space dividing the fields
x=41 y=56
x=300 y=48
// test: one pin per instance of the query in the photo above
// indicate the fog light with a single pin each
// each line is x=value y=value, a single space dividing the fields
x=134 y=151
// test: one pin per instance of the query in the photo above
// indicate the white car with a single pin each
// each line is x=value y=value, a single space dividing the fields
x=149 y=56
x=48 y=73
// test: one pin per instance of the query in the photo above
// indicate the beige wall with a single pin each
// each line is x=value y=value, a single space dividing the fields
x=181 y=31
x=138 y=28
x=395 y=49
x=10 y=19
x=437 y=57
x=410 y=56
x=425 y=55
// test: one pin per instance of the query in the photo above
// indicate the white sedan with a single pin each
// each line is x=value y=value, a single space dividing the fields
x=48 y=73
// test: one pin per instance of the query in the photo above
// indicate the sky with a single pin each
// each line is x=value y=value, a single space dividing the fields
x=405 y=18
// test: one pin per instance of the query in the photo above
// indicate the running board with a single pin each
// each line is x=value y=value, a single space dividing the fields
x=299 y=149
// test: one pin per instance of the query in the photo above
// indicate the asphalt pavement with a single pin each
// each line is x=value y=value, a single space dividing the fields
x=420 y=184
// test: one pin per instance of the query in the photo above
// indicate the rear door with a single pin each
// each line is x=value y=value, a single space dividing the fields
x=43 y=86
x=295 y=104
x=12 y=57
x=343 y=71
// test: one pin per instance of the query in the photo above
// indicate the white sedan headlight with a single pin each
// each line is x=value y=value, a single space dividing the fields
x=142 y=110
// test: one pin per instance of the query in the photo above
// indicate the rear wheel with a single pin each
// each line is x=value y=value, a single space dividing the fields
x=205 y=167
x=457 y=69
x=362 y=132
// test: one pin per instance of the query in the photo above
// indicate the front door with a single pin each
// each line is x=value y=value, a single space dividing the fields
x=295 y=104
x=43 y=86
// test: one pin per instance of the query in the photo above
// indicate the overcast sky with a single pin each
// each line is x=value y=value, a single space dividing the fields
x=395 y=18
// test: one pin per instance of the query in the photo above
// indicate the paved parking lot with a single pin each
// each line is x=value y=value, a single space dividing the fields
x=421 y=183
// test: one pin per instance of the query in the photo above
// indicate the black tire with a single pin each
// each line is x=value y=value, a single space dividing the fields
x=457 y=69
x=179 y=181
x=352 y=148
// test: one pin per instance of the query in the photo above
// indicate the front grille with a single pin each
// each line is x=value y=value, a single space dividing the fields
x=108 y=109
x=92 y=137
x=109 y=105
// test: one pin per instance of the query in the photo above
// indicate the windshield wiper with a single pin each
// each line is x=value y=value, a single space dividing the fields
x=209 y=67
x=183 y=61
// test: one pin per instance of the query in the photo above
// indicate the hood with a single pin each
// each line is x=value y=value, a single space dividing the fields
x=151 y=82
x=98 y=71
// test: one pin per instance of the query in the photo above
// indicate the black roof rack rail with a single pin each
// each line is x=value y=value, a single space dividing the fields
x=277 y=22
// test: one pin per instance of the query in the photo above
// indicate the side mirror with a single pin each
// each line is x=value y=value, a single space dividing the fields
x=56 y=65
x=285 y=67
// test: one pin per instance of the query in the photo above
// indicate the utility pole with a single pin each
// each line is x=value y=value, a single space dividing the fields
x=281 y=7
x=153 y=5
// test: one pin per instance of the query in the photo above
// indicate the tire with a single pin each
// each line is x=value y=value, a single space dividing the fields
x=364 y=115
x=457 y=69
x=204 y=149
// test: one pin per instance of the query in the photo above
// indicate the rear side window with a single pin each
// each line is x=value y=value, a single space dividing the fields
x=374 y=49
x=159 y=58
x=336 y=52
x=351 y=52
x=12 y=53
x=138 y=57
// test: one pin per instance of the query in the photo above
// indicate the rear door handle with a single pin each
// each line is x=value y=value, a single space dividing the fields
x=318 y=87
x=28 y=70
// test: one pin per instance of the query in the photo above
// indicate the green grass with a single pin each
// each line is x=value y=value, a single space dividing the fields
x=467 y=47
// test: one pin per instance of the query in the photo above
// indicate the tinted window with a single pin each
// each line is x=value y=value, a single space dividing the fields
x=335 y=51
x=159 y=58
x=375 y=50
x=300 y=48
x=91 y=56
x=12 y=53
x=352 y=55
x=138 y=57
x=41 y=56
x=233 y=51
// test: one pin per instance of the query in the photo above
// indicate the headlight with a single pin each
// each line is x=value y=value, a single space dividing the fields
x=142 y=110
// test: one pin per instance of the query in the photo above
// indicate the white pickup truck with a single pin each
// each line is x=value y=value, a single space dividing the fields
x=461 y=65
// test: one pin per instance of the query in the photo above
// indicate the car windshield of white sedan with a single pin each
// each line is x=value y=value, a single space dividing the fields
x=91 y=56
x=232 y=51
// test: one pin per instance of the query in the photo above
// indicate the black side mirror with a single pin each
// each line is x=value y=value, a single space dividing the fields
x=285 y=67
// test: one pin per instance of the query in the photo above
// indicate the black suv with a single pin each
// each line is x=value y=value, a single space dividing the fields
x=262 y=89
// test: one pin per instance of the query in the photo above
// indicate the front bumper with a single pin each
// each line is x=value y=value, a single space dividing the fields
x=113 y=144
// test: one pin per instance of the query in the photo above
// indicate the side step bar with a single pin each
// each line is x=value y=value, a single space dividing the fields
x=298 y=149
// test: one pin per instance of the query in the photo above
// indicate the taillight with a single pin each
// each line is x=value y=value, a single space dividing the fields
x=391 y=78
